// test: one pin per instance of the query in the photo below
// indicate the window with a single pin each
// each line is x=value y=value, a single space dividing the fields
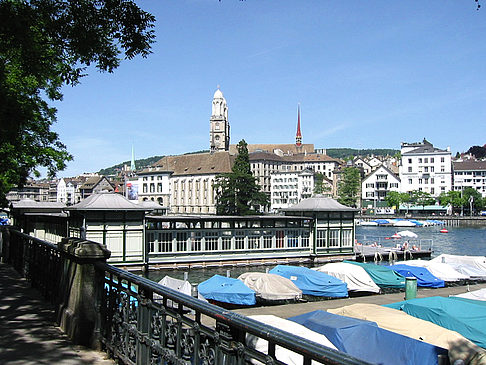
x=321 y=238
x=431 y=180
x=420 y=160
x=426 y=160
x=410 y=181
x=442 y=169
x=426 y=169
x=347 y=238
x=420 y=181
x=410 y=169
x=409 y=160
x=431 y=160
x=442 y=159
x=334 y=238
x=431 y=168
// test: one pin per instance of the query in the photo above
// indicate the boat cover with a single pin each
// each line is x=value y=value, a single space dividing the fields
x=271 y=286
x=283 y=354
x=404 y=223
x=312 y=282
x=479 y=262
x=443 y=271
x=465 y=317
x=475 y=294
x=424 y=277
x=382 y=221
x=182 y=286
x=380 y=347
x=355 y=276
x=407 y=234
x=406 y=325
x=383 y=276
x=473 y=272
x=227 y=290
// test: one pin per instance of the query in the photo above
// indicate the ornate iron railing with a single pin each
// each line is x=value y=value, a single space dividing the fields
x=141 y=322
x=145 y=323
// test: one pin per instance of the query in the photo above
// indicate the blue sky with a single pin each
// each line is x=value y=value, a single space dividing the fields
x=368 y=74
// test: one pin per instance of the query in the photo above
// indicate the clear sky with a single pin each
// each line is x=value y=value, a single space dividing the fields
x=368 y=74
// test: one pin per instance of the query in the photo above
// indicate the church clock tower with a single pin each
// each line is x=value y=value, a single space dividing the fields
x=219 y=128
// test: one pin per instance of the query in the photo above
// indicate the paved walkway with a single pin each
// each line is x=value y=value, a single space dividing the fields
x=28 y=334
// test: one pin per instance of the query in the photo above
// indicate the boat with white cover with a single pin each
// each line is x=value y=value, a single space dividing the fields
x=271 y=287
x=441 y=270
x=475 y=294
x=478 y=262
x=355 y=276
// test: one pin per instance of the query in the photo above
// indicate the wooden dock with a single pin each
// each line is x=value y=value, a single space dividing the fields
x=368 y=253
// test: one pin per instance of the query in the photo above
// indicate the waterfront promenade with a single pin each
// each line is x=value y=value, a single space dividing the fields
x=28 y=334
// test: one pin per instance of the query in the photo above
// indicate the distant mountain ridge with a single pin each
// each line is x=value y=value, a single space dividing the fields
x=140 y=164
x=344 y=153
x=341 y=153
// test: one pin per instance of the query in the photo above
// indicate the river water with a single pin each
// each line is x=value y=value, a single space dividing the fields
x=466 y=240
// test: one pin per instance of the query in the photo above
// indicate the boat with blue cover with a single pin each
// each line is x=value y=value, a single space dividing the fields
x=366 y=341
x=312 y=282
x=222 y=289
x=424 y=277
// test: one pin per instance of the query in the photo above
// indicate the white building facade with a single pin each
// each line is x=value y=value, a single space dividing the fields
x=289 y=188
x=425 y=168
x=470 y=174
x=379 y=183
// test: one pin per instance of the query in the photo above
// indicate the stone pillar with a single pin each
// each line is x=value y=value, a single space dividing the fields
x=79 y=309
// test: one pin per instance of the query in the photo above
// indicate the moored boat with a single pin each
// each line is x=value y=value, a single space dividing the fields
x=271 y=288
x=380 y=347
x=354 y=276
x=223 y=290
x=312 y=282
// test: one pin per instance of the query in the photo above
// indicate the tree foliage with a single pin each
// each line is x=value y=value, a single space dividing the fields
x=453 y=198
x=237 y=192
x=477 y=151
x=320 y=186
x=44 y=45
x=395 y=198
x=421 y=198
x=350 y=153
x=349 y=186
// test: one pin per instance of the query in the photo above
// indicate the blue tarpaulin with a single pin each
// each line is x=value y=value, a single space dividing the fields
x=227 y=290
x=424 y=277
x=383 y=276
x=312 y=282
x=366 y=341
x=382 y=221
x=466 y=317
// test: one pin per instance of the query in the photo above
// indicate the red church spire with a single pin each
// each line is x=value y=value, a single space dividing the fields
x=298 y=136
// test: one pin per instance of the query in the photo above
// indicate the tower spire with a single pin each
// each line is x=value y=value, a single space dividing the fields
x=298 y=135
x=132 y=163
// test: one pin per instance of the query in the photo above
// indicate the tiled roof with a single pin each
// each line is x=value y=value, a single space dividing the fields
x=320 y=204
x=107 y=201
x=468 y=165
x=195 y=164
x=310 y=157
x=289 y=148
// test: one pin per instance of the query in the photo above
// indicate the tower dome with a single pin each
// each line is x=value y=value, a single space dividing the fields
x=218 y=94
